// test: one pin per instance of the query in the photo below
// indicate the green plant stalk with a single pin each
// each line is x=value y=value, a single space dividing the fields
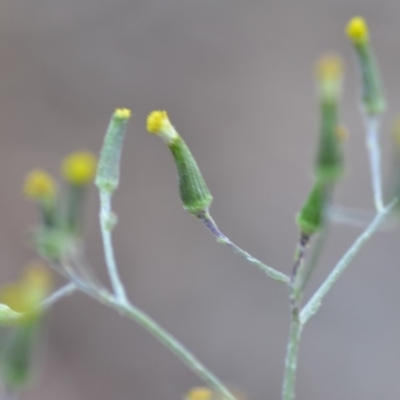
x=165 y=338
x=62 y=292
x=309 y=267
x=372 y=143
x=315 y=302
x=106 y=225
x=124 y=307
x=289 y=380
x=221 y=238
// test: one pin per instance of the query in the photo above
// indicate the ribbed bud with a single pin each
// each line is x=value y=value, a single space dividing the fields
x=108 y=168
x=311 y=217
x=195 y=196
x=329 y=163
x=372 y=95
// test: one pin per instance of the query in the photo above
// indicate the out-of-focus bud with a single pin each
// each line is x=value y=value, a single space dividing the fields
x=329 y=163
x=23 y=297
x=196 y=197
x=107 y=177
x=78 y=170
x=329 y=74
x=311 y=217
x=372 y=95
x=40 y=187
x=204 y=393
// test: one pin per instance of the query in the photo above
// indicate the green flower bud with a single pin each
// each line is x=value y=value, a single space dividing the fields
x=16 y=359
x=311 y=217
x=372 y=95
x=107 y=177
x=194 y=193
x=329 y=163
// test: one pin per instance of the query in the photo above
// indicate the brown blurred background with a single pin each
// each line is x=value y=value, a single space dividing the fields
x=236 y=78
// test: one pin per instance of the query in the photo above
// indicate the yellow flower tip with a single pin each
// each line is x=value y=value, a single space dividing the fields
x=25 y=295
x=79 y=168
x=199 y=393
x=342 y=133
x=156 y=121
x=39 y=185
x=357 y=30
x=159 y=124
x=122 y=113
x=329 y=68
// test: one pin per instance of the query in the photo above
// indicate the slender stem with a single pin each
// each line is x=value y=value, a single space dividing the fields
x=63 y=291
x=372 y=143
x=298 y=266
x=315 y=302
x=164 y=337
x=123 y=306
x=106 y=225
x=351 y=217
x=289 y=381
x=221 y=238
x=310 y=266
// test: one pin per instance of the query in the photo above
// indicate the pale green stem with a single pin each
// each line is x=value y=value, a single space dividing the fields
x=315 y=302
x=63 y=291
x=289 y=381
x=309 y=267
x=124 y=307
x=372 y=143
x=221 y=238
x=106 y=224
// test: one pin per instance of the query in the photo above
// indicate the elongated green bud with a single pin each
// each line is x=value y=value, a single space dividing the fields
x=108 y=168
x=24 y=297
x=194 y=193
x=372 y=95
x=16 y=360
x=311 y=217
x=329 y=163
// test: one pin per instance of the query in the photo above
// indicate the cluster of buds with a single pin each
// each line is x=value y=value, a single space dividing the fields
x=61 y=215
x=329 y=163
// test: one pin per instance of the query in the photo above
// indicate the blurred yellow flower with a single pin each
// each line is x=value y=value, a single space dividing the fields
x=39 y=185
x=79 y=168
x=357 y=30
x=25 y=295
x=199 y=393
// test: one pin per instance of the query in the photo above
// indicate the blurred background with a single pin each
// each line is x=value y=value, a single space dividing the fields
x=237 y=80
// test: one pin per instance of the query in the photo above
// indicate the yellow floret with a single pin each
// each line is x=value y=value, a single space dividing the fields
x=39 y=185
x=79 y=168
x=329 y=68
x=25 y=295
x=357 y=30
x=122 y=113
x=156 y=121
x=199 y=393
x=159 y=124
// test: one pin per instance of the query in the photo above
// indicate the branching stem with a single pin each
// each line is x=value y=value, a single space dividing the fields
x=221 y=238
